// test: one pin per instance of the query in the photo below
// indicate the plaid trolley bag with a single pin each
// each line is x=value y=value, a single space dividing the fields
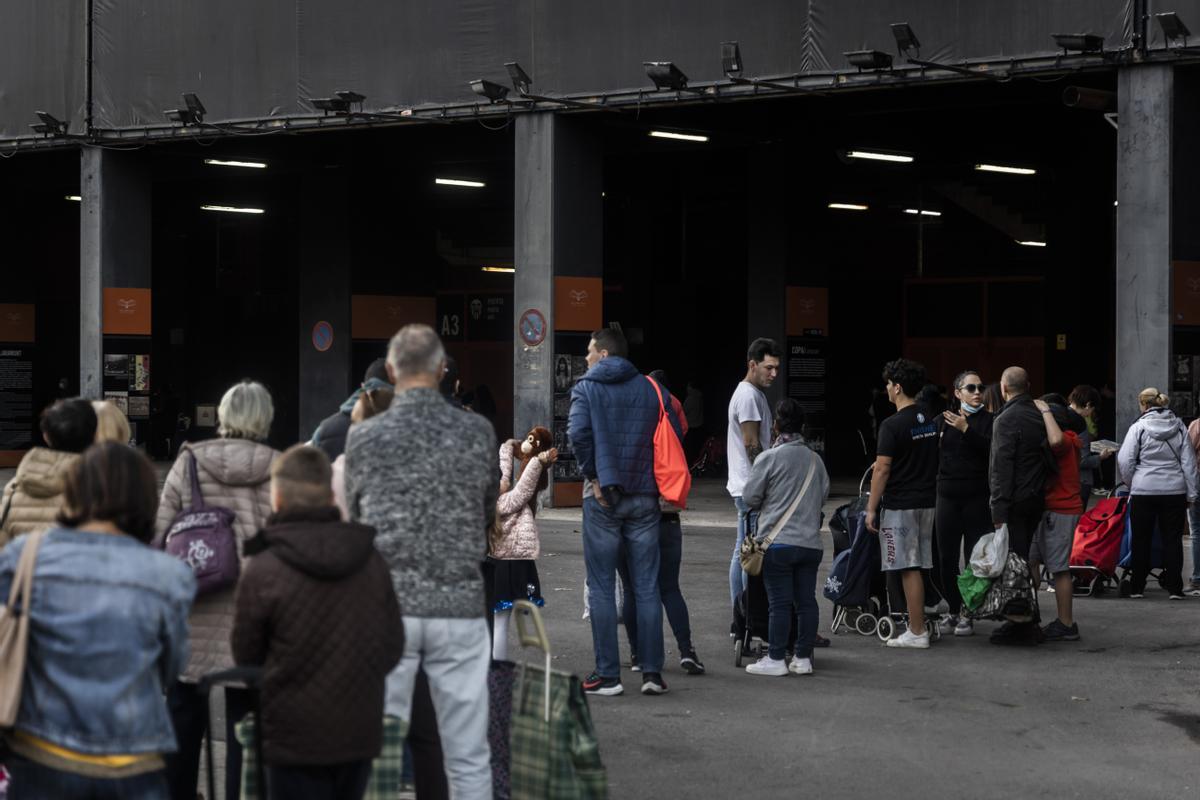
x=555 y=753
x=253 y=775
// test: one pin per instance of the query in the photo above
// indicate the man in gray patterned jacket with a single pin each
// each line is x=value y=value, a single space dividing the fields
x=424 y=475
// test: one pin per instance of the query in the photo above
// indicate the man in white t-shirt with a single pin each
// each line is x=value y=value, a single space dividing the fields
x=749 y=434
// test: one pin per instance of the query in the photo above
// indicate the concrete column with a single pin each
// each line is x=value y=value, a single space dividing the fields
x=114 y=246
x=558 y=219
x=324 y=296
x=766 y=257
x=1143 y=258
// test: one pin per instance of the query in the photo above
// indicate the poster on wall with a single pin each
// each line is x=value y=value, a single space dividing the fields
x=489 y=317
x=16 y=398
x=807 y=376
x=120 y=400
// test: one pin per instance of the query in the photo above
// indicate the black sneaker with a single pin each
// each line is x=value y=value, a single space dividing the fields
x=1057 y=632
x=652 y=683
x=607 y=687
x=820 y=641
x=690 y=664
x=634 y=666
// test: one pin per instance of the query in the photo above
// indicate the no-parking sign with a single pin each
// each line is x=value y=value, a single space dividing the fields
x=322 y=336
x=532 y=328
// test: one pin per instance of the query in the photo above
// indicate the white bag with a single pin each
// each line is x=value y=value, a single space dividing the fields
x=990 y=553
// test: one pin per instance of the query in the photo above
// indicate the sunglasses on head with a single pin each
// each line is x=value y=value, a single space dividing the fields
x=972 y=388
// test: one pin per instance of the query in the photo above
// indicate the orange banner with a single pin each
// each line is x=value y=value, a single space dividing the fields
x=127 y=312
x=379 y=316
x=16 y=322
x=578 y=304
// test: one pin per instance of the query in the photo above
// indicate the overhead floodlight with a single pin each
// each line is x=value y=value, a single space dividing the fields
x=1004 y=169
x=847 y=207
x=519 y=77
x=217 y=162
x=499 y=269
x=49 y=125
x=1172 y=27
x=666 y=75
x=875 y=155
x=684 y=137
x=74 y=198
x=494 y=92
x=192 y=112
x=731 y=59
x=869 y=59
x=459 y=182
x=923 y=212
x=1079 y=42
x=905 y=38
x=340 y=103
x=232 y=209
x=1031 y=243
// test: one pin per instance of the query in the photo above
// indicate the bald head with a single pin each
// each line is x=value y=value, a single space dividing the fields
x=1014 y=382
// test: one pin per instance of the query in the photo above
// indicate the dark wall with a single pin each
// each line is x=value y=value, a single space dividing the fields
x=42 y=61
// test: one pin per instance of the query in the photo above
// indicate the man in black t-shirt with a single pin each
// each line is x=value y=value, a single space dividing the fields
x=904 y=485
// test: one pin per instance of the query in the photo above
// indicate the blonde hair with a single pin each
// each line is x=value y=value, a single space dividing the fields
x=1152 y=398
x=111 y=423
x=245 y=412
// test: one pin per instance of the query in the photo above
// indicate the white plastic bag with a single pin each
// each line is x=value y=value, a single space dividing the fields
x=990 y=553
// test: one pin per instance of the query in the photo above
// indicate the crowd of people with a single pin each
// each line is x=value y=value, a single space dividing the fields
x=357 y=608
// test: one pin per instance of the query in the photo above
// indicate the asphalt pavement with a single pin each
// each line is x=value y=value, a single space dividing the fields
x=1114 y=715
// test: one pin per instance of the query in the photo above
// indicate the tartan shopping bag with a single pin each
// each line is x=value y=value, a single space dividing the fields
x=554 y=749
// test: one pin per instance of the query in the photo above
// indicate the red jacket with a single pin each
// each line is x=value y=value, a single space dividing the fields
x=1062 y=490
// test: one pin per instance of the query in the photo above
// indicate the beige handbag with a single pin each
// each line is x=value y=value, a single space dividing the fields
x=14 y=632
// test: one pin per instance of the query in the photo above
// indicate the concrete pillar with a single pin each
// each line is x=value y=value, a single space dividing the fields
x=114 y=246
x=766 y=258
x=558 y=219
x=324 y=297
x=1143 y=258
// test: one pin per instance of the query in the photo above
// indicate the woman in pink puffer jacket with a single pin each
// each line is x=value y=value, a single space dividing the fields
x=514 y=543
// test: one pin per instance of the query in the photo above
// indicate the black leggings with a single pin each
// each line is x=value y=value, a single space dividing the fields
x=1169 y=513
x=960 y=522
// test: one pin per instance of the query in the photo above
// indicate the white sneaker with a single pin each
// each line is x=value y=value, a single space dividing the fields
x=911 y=640
x=965 y=627
x=800 y=666
x=768 y=666
x=941 y=608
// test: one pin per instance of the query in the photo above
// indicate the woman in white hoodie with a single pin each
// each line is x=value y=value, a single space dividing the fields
x=1158 y=464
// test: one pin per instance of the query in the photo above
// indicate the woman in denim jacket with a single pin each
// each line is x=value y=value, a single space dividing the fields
x=107 y=634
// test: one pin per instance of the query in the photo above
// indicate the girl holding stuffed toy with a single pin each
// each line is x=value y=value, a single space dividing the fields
x=513 y=543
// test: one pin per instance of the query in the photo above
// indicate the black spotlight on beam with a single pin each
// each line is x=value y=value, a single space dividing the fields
x=869 y=59
x=1172 y=27
x=523 y=84
x=493 y=92
x=731 y=59
x=667 y=76
x=909 y=46
x=340 y=103
x=519 y=77
x=1083 y=43
x=905 y=38
x=192 y=112
x=49 y=125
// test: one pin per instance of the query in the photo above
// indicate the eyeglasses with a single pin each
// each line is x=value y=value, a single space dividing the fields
x=972 y=388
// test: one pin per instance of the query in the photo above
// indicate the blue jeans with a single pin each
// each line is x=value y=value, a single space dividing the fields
x=790 y=578
x=32 y=781
x=747 y=521
x=632 y=523
x=670 y=549
x=1194 y=525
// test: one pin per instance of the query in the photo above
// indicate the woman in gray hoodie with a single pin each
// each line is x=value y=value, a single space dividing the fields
x=788 y=471
x=1158 y=464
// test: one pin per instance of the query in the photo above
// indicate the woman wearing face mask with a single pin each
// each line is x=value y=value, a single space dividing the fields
x=962 y=512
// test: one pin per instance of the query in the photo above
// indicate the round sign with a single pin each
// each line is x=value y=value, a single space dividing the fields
x=322 y=336
x=532 y=328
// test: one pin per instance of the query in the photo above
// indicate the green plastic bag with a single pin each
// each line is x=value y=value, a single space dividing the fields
x=973 y=588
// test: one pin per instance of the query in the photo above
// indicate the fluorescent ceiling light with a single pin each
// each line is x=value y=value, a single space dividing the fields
x=1032 y=244
x=1008 y=170
x=216 y=162
x=873 y=156
x=684 y=137
x=74 y=197
x=848 y=206
x=232 y=209
x=459 y=182
x=924 y=212
x=499 y=269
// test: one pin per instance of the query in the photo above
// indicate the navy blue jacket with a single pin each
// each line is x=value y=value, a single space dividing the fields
x=614 y=411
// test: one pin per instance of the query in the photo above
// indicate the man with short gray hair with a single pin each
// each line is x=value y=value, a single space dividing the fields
x=424 y=474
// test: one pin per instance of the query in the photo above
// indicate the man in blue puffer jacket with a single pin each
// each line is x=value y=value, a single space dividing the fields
x=614 y=412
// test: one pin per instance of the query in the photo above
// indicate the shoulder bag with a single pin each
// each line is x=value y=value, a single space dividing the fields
x=202 y=537
x=752 y=551
x=14 y=631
